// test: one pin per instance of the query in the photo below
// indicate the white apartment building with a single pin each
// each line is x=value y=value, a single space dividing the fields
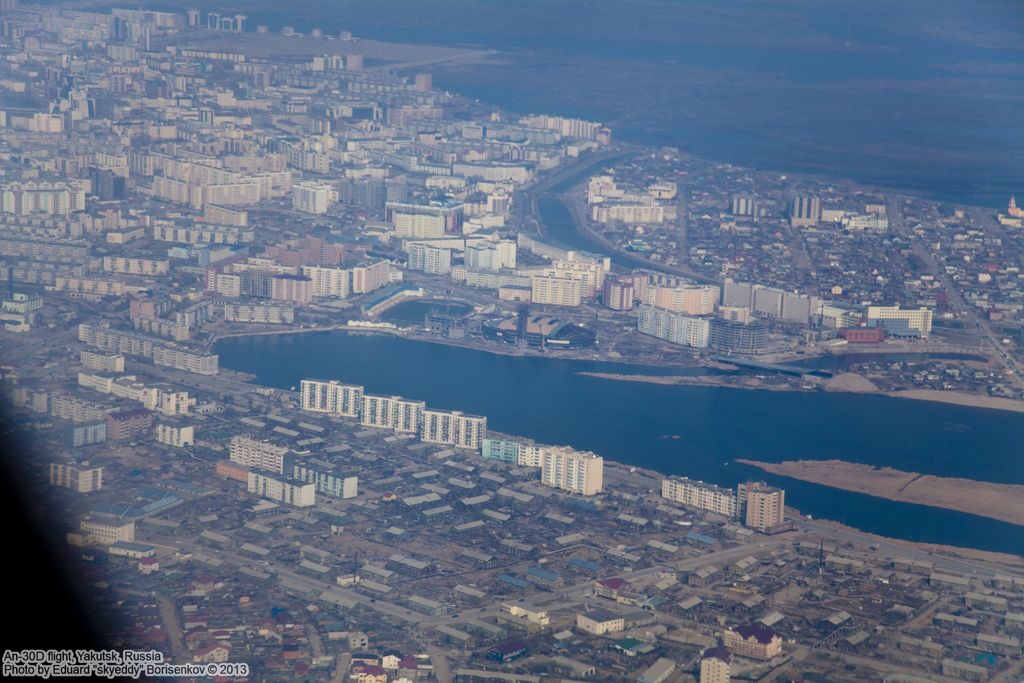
x=391 y=412
x=289 y=491
x=573 y=471
x=331 y=397
x=178 y=436
x=79 y=479
x=673 y=327
x=311 y=197
x=690 y=300
x=556 y=291
x=335 y=283
x=429 y=259
x=697 y=494
x=453 y=428
x=136 y=266
x=901 y=322
x=258 y=454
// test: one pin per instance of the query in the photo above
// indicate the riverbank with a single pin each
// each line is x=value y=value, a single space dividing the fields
x=846 y=385
x=985 y=499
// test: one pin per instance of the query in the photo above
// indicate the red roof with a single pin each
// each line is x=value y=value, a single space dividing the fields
x=760 y=632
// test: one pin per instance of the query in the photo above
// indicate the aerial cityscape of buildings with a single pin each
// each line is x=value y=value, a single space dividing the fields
x=172 y=179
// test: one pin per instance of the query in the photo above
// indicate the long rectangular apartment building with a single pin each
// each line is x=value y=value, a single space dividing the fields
x=290 y=491
x=453 y=428
x=331 y=397
x=697 y=494
x=258 y=454
x=391 y=412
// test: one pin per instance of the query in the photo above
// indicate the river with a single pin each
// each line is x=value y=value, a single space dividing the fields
x=686 y=430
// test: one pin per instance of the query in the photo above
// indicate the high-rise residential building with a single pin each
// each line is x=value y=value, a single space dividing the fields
x=391 y=412
x=733 y=336
x=283 y=490
x=901 y=322
x=699 y=495
x=296 y=289
x=335 y=283
x=688 y=299
x=738 y=294
x=81 y=479
x=491 y=255
x=453 y=428
x=258 y=454
x=556 y=291
x=429 y=259
x=673 y=327
x=755 y=641
x=367 y=277
x=765 y=505
x=425 y=220
x=310 y=197
x=573 y=471
x=618 y=294
x=331 y=397
x=804 y=211
x=714 y=665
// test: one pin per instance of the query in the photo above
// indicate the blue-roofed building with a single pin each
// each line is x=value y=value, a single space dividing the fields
x=701 y=538
x=585 y=565
x=513 y=581
x=543 y=577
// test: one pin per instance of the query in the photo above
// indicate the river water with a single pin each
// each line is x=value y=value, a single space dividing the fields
x=686 y=430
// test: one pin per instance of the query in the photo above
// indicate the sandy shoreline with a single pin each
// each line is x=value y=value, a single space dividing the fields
x=952 y=397
x=982 y=498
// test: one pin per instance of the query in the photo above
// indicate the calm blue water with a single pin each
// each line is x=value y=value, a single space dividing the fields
x=548 y=400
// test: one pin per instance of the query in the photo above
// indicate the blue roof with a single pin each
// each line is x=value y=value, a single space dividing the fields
x=517 y=582
x=701 y=538
x=542 y=574
x=585 y=564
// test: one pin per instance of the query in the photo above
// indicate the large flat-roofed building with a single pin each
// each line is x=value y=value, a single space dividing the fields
x=598 y=621
x=699 y=495
x=755 y=641
x=331 y=397
x=259 y=454
x=311 y=197
x=453 y=428
x=282 y=490
x=391 y=412
x=82 y=479
x=573 y=471
x=765 y=505
x=901 y=322
x=99 y=531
